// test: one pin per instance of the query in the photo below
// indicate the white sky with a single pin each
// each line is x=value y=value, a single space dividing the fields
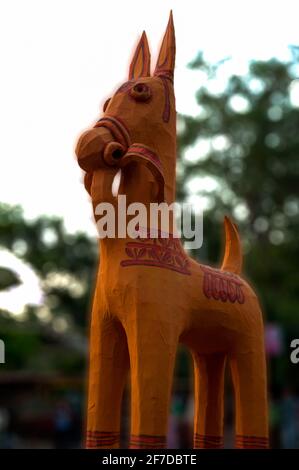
x=60 y=60
x=29 y=290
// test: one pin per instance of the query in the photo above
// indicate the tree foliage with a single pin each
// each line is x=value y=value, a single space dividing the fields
x=50 y=335
x=244 y=153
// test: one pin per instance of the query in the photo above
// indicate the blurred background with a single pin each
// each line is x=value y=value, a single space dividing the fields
x=237 y=86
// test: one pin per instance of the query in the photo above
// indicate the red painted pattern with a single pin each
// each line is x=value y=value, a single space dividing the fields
x=143 y=441
x=165 y=73
x=159 y=252
x=144 y=61
x=202 y=441
x=221 y=285
x=251 y=442
x=147 y=153
x=101 y=439
x=166 y=111
x=117 y=129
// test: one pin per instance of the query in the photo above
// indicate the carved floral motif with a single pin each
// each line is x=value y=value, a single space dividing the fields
x=160 y=252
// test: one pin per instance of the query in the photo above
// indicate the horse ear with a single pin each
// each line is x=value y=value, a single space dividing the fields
x=141 y=62
x=166 y=59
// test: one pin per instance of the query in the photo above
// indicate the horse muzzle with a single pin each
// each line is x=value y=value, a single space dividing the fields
x=108 y=145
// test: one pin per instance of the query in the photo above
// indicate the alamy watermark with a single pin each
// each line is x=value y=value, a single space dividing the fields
x=294 y=357
x=156 y=219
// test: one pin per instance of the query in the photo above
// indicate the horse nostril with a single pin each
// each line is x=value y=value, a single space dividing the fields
x=117 y=154
x=113 y=153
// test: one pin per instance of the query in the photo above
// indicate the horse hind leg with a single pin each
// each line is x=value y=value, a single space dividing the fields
x=249 y=379
x=209 y=407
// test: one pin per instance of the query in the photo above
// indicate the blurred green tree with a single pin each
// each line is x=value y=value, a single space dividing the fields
x=240 y=155
x=41 y=337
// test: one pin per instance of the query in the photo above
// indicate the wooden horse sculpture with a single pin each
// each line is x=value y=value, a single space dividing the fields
x=150 y=295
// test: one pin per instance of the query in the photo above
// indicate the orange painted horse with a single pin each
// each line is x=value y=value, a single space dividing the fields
x=150 y=295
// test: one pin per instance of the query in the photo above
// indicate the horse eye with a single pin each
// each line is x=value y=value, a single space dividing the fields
x=140 y=88
x=106 y=104
x=140 y=92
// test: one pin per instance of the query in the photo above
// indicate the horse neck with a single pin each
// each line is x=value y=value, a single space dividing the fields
x=112 y=249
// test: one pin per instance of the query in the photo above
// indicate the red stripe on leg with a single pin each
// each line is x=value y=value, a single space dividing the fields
x=202 y=441
x=101 y=439
x=147 y=442
x=251 y=442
